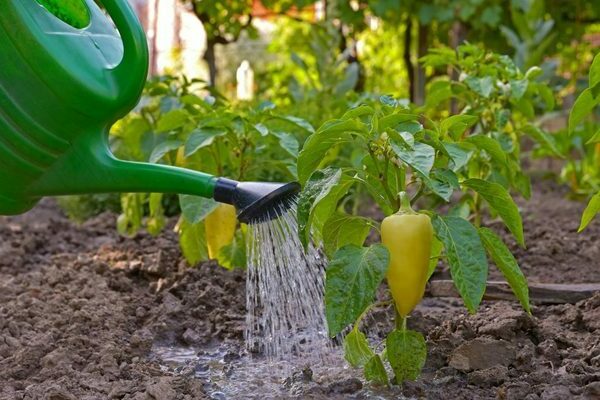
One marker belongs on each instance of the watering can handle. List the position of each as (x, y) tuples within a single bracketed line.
[(135, 47)]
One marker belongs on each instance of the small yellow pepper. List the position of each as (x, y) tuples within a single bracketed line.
[(408, 237), (220, 229)]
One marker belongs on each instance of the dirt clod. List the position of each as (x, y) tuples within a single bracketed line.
[(482, 353)]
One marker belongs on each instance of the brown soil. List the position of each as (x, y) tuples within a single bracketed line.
[(81, 307)]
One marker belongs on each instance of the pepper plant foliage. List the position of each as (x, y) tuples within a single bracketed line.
[(470, 160), (180, 123), (584, 106)]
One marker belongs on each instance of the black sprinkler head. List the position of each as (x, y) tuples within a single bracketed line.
[(256, 201)]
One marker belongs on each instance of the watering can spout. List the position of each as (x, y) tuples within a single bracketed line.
[(90, 167)]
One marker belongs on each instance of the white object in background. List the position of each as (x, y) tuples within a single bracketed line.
[(245, 81)]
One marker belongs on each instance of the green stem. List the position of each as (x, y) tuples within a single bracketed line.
[(366, 311), (405, 207)]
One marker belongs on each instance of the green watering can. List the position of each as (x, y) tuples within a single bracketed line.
[(62, 88)]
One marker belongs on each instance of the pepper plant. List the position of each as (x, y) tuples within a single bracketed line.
[(383, 151), (584, 107), (183, 123)]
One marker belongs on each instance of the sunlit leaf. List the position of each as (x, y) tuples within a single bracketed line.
[(356, 348), (375, 371), (590, 211), (353, 276), (407, 353), (507, 264), (466, 257), (500, 200)]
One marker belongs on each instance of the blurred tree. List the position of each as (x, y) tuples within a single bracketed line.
[(224, 22)]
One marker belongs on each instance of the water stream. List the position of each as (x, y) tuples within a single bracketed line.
[(284, 292)]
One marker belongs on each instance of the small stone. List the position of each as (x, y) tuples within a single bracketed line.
[(120, 389), (12, 342), (482, 353), (347, 386), (556, 393), (56, 393), (161, 390), (549, 350), (516, 391), (490, 377), (592, 391), (191, 337)]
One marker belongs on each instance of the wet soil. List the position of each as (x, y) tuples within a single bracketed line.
[(86, 314)]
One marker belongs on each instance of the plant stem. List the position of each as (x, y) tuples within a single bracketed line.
[(366, 311), (383, 178)]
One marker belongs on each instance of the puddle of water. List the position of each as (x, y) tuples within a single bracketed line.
[(225, 375), (284, 291)]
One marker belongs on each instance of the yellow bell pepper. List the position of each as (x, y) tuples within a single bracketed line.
[(220, 229), (408, 237)]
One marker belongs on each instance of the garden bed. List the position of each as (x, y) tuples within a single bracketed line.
[(85, 313)]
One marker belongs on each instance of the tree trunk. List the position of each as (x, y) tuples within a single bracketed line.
[(419, 86), (211, 61), (407, 58)]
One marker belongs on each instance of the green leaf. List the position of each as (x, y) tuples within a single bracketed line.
[(156, 220), (500, 200), (420, 158), (261, 129), (544, 139), (595, 138), (356, 348), (590, 211), (522, 183), (316, 190), (233, 255), (331, 134), (458, 154), (595, 71), (583, 106), (482, 86), (288, 142), (456, 125), (163, 148), (299, 122), (466, 257), (436, 252), (172, 120), (507, 264), (353, 276), (200, 138), (534, 72), (524, 106), (130, 221), (342, 229), (547, 95), (518, 88), (192, 241), (393, 120), (375, 371), (490, 146), (407, 353), (195, 209), (443, 183), (358, 112)]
